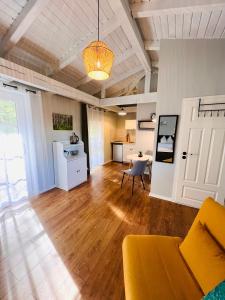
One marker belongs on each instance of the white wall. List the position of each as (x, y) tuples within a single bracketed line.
[(145, 138), (187, 68), (58, 104)]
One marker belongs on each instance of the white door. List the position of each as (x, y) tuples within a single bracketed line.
[(201, 155)]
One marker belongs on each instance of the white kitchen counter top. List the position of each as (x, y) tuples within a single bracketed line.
[(121, 142)]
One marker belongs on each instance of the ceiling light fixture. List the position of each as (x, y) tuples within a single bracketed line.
[(122, 112), (98, 58)]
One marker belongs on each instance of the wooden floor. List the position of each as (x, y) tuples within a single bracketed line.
[(67, 245)]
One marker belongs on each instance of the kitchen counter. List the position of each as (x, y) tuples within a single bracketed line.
[(121, 142)]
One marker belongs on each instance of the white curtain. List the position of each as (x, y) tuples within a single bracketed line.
[(27, 144), (33, 132), (95, 136)]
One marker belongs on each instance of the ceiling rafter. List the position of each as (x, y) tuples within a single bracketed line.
[(159, 7), (118, 60), (131, 30), (129, 88), (131, 99), (152, 45), (75, 51), (21, 24), (155, 64), (14, 72), (121, 77)]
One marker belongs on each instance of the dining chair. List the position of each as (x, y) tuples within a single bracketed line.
[(149, 164), (137, 170)]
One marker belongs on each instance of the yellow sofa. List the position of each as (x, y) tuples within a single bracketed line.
[(154, 268)]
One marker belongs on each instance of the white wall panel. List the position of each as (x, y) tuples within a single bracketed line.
[(187, 69)]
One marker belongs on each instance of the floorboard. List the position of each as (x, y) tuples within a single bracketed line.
[(67, 245)]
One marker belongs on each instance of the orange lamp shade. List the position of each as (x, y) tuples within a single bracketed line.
[(98, 60)]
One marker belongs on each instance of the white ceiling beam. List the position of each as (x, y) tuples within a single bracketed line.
[(116, 79), (82, 81), (131, 30), (103, 92), (14, 72), (73, 52), (115, 109), (155, 64), (152, 45), (21, 24), (159, 7), (131, 99), (123, 76), (133, 84), (128, 88), (147, 82), (118, 60)]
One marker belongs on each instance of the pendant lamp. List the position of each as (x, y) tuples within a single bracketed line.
[(98, 58), (122, 112)]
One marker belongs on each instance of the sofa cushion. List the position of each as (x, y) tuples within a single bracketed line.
[(205, 257), (154, 269), (212, 215)]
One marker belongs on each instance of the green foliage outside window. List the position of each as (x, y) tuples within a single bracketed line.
[(8, 121)]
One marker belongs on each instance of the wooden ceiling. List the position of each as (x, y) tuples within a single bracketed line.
[(48, 36)]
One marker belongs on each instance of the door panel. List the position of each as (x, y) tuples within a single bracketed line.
[(195, 141), (196, 193), (216, 150)]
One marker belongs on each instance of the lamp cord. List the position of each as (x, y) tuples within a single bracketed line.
[(98, 20)]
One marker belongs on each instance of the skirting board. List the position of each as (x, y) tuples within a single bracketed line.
[(107, 162), (190, 203), (50, 188), (161, 197)]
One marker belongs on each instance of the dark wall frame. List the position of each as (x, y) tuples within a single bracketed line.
[(84, 133), (166, 156)]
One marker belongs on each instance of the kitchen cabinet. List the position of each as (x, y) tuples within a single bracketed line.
[(70, 164)]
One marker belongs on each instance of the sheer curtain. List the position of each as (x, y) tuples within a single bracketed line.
[(13, 185), (25, 156), (95, 136), (36, 153)]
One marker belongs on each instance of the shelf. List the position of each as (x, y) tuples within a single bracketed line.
[(146, 125)]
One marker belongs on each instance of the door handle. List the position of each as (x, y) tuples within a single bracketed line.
[(185, 154)]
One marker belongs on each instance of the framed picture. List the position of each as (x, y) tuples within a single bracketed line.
[(62, 122), (166, 138)]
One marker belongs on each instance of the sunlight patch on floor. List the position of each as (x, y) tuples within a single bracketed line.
[(119, 213), (30, 267)]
